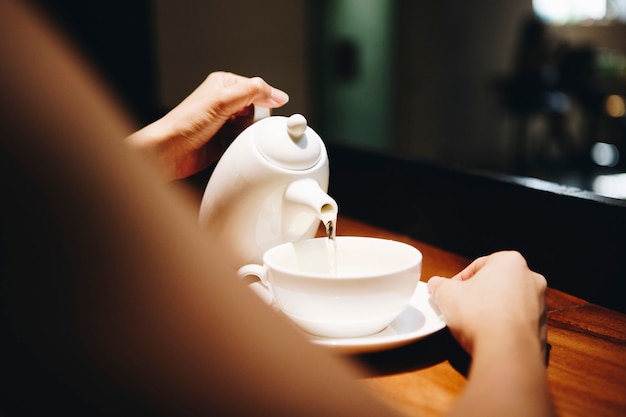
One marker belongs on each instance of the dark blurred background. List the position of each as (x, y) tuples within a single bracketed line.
[(517, 87)]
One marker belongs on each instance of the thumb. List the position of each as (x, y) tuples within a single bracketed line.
[(432, 284), (438, 287)]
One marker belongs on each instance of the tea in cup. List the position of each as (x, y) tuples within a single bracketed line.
[(343, 287)]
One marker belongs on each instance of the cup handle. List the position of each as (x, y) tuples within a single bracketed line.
[(260, 287)]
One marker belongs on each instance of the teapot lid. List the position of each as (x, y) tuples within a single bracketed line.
[(287, 142)]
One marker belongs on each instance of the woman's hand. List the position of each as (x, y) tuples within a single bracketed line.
[(495, 308), (180, 142), (495, 295)]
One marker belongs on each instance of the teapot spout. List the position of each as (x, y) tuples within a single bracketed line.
[(307, 192)]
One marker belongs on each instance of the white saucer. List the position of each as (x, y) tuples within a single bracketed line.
[(420, 319)]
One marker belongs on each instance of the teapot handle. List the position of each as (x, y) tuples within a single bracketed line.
[(258, 286), (261, 113)]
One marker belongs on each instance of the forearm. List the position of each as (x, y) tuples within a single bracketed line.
[(507, 378), (110, 284), (155, 143), (179, 149)]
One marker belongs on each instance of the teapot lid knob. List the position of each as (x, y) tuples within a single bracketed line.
[(296, 126), (287, 142)]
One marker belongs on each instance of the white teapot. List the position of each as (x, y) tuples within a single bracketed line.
[(268, 188)]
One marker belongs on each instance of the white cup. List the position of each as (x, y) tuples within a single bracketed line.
[(353, 287)]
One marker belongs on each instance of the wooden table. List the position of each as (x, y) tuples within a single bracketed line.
[(587, 362)]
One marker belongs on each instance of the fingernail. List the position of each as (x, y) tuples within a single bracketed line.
[(279, 97)]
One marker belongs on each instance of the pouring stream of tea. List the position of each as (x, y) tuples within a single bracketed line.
[(331, 233)]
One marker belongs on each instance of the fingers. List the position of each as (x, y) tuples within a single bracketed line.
[(467, 273), (471, 269), (266, 95), (433, 282), (240, 92), (509, 259), (436, 287)]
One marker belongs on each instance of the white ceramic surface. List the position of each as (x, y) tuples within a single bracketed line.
[(357, 293), (421, 318), (269, 187)]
